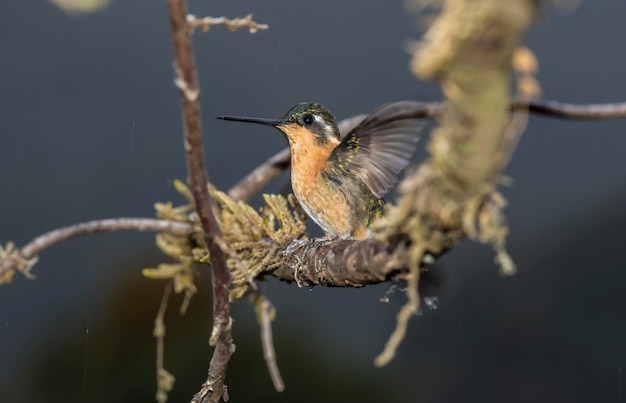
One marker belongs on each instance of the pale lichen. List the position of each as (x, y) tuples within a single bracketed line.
[(250, 238), (13, 256)]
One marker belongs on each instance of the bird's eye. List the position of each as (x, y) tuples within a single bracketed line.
[(307, 119)]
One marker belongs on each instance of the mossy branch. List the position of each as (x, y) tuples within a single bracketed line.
[(469, 50)]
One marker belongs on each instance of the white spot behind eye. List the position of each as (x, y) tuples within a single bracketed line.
[(323, 123)]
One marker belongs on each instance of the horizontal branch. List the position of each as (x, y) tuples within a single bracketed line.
[(44, 241), (264, 173), (338, 263), (113, 224), (232, 24), (249, 185), (561, 110), (261, 175)]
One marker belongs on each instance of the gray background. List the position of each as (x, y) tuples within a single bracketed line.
[(90, 128)]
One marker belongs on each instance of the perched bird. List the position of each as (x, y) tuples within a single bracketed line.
[(340, 182)]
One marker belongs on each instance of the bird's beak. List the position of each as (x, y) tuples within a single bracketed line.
[(262, 121)]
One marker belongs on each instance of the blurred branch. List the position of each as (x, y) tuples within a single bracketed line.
[(409, 309), (571, 111), (232, 24), (165, 380), (213, 389), (23, 259), (261, 175), (264, 173), (265, 313), (78, 7), (469, 50)]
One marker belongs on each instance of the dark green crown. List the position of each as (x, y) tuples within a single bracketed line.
[(316, 118)]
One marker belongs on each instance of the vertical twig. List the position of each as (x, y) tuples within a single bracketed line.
[(165, 380), (187, 81), (409, 309), (265, 313)]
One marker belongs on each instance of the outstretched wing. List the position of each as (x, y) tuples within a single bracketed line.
[(377, 149)]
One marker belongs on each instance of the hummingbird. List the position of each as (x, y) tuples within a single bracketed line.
[(340, 182)]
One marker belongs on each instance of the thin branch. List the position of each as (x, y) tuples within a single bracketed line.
[(409, 309), (213, 388), (571, 111), (341, 263), (44, 241), (165, 380), (266, 312), (232, 24), (264, 173), (261, 175)]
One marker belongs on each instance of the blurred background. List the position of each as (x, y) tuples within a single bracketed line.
[(90, 128)]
